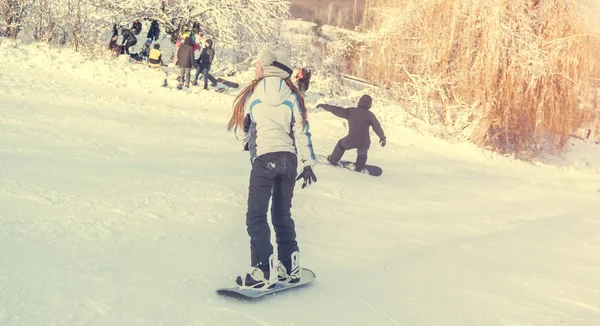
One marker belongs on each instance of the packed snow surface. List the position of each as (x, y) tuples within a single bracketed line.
[(123, 203)]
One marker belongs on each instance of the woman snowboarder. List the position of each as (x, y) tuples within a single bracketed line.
[(272, 113)]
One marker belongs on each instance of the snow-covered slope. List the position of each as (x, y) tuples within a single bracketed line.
[(123, 203)]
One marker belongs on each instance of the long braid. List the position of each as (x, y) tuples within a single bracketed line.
[(237, 119), (295, 89)]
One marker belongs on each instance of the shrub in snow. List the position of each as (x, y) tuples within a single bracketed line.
[(510, 75)]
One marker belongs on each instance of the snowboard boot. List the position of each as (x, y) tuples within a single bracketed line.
[(361, 161), (292, 265), (330, 161), (259, 278)]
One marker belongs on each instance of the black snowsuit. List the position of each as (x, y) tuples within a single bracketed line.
[(359, 121)]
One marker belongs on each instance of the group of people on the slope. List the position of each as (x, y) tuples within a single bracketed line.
[(186, 60), (189, 54), (271, 115)]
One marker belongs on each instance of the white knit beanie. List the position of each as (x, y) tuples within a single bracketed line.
[(275, 64)]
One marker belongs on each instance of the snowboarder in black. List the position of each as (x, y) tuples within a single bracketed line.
[(359, 121)]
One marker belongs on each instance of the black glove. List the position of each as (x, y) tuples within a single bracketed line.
[(320, 106), (382, 142), (308, 175)]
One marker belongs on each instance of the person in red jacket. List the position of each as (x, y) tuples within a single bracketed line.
[(303, 79)]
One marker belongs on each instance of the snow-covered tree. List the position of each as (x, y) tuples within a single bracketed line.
[(45, 20), (12, 14), (230, 21), (243, 25)]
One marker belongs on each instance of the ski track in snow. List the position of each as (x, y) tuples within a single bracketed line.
[(123, 203)]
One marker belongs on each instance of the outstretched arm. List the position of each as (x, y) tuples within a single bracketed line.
[(336, 110)]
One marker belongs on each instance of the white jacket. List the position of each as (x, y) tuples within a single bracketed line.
[(273, 122)]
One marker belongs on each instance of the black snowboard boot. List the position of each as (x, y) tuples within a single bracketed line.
[(259, 278), (361, 161), (337, 153), (293, 265), (330, 161)]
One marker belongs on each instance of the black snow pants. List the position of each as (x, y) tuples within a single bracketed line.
[(342, 146), (272, 174)]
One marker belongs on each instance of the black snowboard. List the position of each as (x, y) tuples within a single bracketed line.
[(369, 169), (372, 170), (223, 85)]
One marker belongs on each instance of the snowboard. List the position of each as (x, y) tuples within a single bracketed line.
[(307, 277), (228, 83), (369, 169), (223, 85)]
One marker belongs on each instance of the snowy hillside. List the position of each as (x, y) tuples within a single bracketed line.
[(123, 203)]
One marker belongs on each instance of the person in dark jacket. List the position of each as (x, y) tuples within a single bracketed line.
[(129, 40), (359, 121), (204, 62), (185, 60), (154, 31)]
